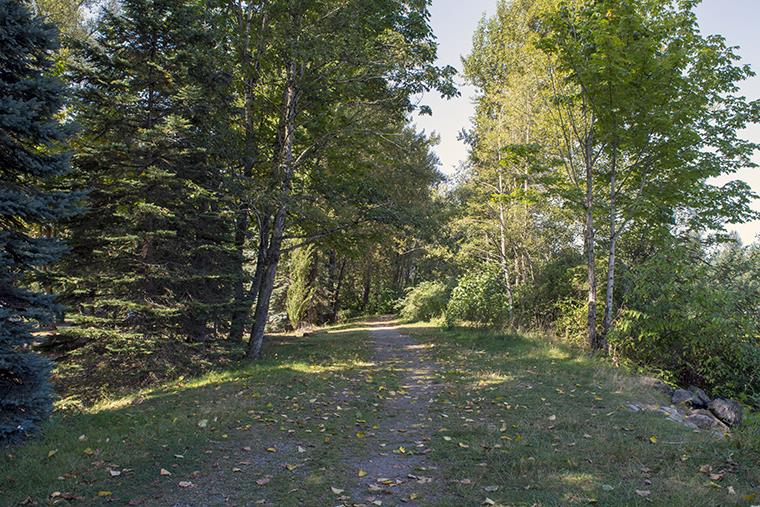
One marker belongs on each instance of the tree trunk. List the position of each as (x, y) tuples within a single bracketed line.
[(367, 286), (335, 307), (590, 241), (240, 309), (284, 170), (609, 299), (503, 248)]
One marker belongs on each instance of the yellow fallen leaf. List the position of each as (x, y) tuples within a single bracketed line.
[(653, 439), (88, 452), (361, 473), (52, 453), (360, 434), (463, 445), (291, 467), (271, 449), (104, 493)]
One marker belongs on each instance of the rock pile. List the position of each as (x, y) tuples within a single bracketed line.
[(693, 408)]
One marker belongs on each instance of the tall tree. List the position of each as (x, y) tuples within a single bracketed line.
[(153, 252), (378, 55), (31, 152), (650, 104)]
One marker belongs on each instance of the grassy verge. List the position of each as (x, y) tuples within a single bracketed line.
[(285, 422), (525, 422)]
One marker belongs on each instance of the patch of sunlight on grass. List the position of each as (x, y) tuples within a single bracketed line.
[(491, 378), (318, 368), (315, 479), (420, 346), (581, 480)]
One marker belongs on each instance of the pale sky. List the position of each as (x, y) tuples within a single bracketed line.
[(455, 21)]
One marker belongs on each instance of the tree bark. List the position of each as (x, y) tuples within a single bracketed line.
[(250, 67), (335, 307), (503, 242), (284, 170), (610, 294), (240, 308), (590, 240)]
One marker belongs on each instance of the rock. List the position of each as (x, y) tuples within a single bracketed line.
[(699, 398), (728, 411), (704, 420), (681, 396), (694, 397)]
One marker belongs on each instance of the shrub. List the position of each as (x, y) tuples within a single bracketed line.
[(480, 297), (425, 301), (689, 319)]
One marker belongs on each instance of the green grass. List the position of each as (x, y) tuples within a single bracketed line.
[(543, 424), (288, 400), (548, 426)]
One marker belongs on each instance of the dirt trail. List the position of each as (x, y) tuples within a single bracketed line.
[(397, 467)]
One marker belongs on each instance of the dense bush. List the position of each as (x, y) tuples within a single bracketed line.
[(695, 320), (425, 301), (557, 283), (480, 297)]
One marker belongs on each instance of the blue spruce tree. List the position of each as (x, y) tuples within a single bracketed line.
[(31, 156)]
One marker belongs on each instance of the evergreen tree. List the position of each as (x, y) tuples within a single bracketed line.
[(151, 251), (31, 136)]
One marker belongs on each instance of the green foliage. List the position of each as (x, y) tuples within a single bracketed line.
[(31, 159), (301, 291), (480, 297), (685, 316), (424, 301), (543, 301), (153, 251)]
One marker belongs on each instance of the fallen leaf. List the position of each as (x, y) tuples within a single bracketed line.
[(185, 484), (203, 423), (643, 492), (114, 473), (264, 480), (52, 453), (361, 473), (164, 472), (552, 417), (271, 449), (653, 439), (463, 445), (336, 490), (491, 489), (488, 501), (104, 493)]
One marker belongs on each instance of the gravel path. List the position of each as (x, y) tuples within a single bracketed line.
[(397, 468)]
